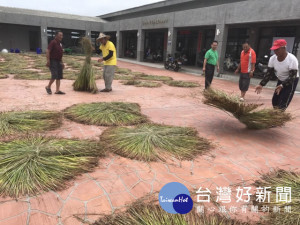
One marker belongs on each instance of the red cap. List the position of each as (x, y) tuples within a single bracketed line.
[(278, 44)]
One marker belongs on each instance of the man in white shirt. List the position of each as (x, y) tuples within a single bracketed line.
[(285, 66)]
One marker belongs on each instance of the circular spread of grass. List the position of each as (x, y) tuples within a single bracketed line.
[(34, 164), (180, 83), (153, 77), (150, 142), (139, 83), (246, 113), (28, 121), (3, 76), (281, 178), (106, 113), (150, 213), (123, 71), (32, 76)]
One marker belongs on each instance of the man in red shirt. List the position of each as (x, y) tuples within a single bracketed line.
[(54, 56), (246, 69)]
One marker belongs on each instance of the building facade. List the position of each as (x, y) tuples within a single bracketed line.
[(182, 28), (187, 28)]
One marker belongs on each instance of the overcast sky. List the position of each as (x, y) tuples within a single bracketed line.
[(78, 7)]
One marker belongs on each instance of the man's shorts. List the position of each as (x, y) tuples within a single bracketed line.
[(244, 81), (56, 69)]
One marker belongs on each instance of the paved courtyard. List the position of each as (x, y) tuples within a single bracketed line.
[(238, 156)]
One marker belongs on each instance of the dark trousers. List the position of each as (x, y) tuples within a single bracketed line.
[(285, 96), (209, 74)]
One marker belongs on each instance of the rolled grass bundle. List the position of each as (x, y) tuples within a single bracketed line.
[(28, 121), (246, 113), (150, 213), (86, 79), (106, 113), (34, 164), (281, 178), (180, 83), (150, 142), (139, 83)]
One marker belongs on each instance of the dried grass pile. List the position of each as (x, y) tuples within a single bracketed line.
[(151, 142), (106, 113), (246, 113), (149, 213), (86, 78), (34, 164), (285, 179)]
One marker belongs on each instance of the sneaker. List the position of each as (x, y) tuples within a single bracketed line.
[(242, 99)]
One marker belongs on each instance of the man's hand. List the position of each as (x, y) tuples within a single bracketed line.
[(100, 60), (258, 89), (278, 89), (63, 65), (48, 64), (218, 69), (236, 71), (251, 74)]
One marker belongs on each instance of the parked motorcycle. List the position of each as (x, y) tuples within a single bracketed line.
[(174, 64), (230, 64)]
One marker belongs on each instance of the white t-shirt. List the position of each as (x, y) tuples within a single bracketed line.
[(282, 68)]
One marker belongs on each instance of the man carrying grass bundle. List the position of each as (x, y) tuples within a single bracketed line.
[(110, 60), (285, 66), (54, 56)]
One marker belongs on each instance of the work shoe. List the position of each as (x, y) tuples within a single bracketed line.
[(242, 99)]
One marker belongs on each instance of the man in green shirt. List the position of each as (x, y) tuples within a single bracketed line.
[(211, 60)]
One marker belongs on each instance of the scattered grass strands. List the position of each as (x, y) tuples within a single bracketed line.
[(151, 142), (34, 164), (149, 213), (281, 178), (122, 77), (180, 83), (139, 83), (86, 78), (106, 114), (28, 121), (246, 113)]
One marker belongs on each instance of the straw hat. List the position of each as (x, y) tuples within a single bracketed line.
[(102, 35)]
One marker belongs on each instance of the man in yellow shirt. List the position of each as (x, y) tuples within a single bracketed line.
[(110, 60)]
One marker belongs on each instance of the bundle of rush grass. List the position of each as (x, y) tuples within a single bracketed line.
[(150, 213), (33, 164), (14, 123), (106, 113), (86, 79), (151, 142), (246, 113), (279, 179)]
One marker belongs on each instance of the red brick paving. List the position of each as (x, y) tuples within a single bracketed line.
[(238, 157)]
